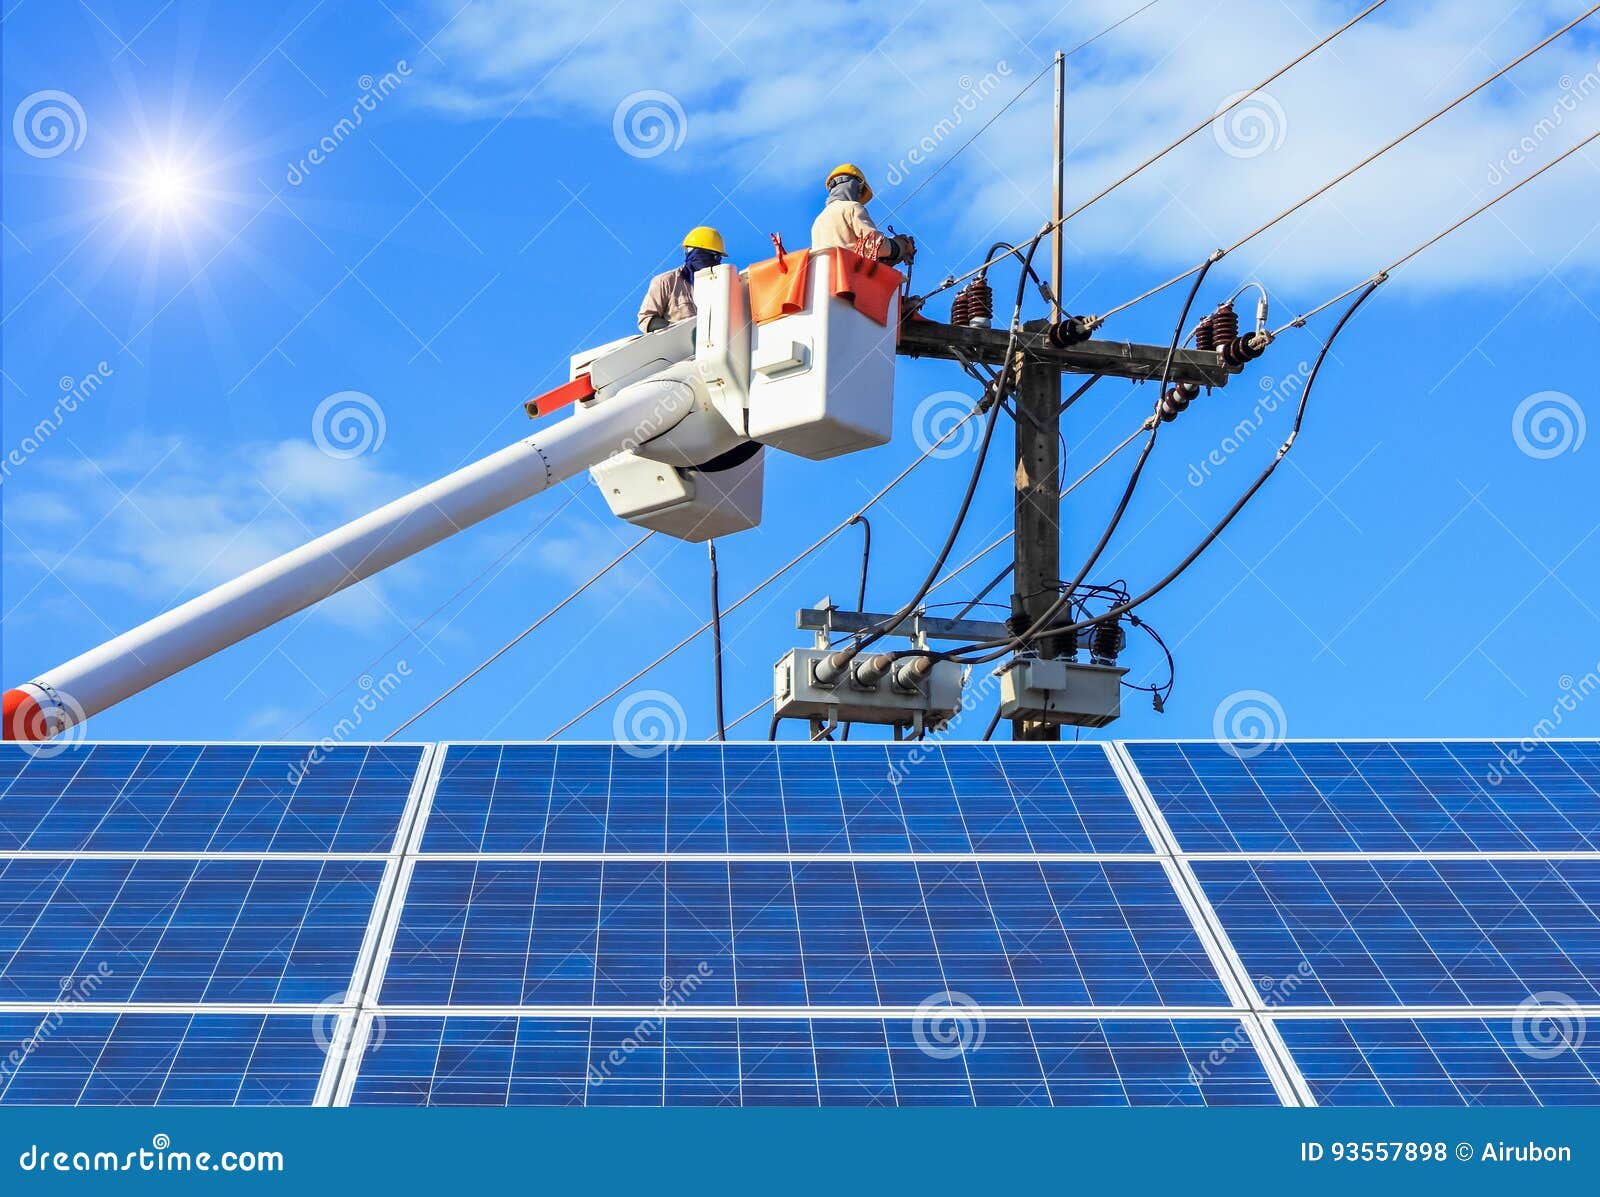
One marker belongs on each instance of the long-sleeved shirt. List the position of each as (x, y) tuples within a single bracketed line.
[(840, 224), (669, 296)]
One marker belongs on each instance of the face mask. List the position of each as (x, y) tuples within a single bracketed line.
[(845, 187), (699, 259)]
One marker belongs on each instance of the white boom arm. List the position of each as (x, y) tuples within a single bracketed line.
[(87, 684)]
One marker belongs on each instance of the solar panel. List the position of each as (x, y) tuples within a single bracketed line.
[(146, 929), (1412, 932), (795, 933), (482, 1061), (1376, 796), (205, 798), (1441, 1062), (82, 1058), (764, 798)]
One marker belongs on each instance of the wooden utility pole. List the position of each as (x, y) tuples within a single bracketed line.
[(1037, 495)]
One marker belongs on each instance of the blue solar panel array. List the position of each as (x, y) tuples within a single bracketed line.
[(831, 1062), (1414, 932), (778, 913), (205, 798), (1444, 1062), (1361, 796), (764, 798), (800, 933), (82, 1058)]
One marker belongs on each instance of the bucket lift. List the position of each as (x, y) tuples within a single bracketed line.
[(795, 354)]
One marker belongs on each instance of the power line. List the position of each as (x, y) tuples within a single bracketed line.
[(770, 578), (1162, 153), (525, 633), (411, 632), (1048, 67), (1367, 161)]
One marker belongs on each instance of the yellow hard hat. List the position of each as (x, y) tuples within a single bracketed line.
[(703, 236), (850, 168)]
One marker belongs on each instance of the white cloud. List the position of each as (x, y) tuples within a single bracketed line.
[(832, 80), (164, 521)]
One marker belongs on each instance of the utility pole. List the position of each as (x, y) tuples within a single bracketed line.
[(1037, 494)]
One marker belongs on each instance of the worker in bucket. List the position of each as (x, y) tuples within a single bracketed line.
[(670, 297), (845, 223)]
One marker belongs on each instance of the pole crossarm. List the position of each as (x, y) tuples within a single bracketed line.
[(1116, 359)]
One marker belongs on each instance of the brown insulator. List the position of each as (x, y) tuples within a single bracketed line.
[(1106, 641), (1239, 350), (959, 308), (1205, 336), (1177, 399), (1224, 324), (1074, 330), (980, 303)]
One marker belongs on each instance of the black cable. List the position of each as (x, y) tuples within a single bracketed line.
[(977, 470), (866, 558), (993, 723), (984, 593), (1035, 630), (772, 729), (1123, 608), (716, 639)]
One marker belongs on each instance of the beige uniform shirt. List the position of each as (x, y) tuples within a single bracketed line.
[(840, 225), (668, 295)]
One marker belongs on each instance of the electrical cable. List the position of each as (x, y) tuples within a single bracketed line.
[(522, 635), (1083, 45), (1203, 125), (770, 578), (1367, 161), (716, 640), (411, 632)]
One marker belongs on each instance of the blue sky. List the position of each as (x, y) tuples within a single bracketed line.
[(1424, 564)]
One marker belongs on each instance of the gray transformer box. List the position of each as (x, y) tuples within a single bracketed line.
[(1063, 692), (796, 694)]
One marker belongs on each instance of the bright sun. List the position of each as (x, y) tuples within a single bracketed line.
[(164, 188)]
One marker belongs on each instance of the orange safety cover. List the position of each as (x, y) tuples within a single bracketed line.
[(869, 285), (778, 286)]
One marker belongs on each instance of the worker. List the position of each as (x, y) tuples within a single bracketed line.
[(845, 223), (670, 296)]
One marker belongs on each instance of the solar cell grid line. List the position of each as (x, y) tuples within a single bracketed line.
[(1452, 1061), (1376, 796), (274, 929), (749, 799), (79, 1056), (616, 932), (1419, 932), (450, 1059), (206, 798)]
